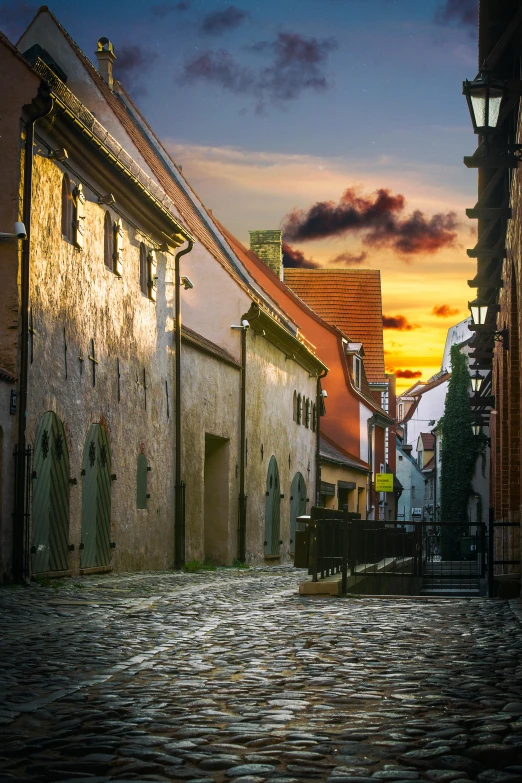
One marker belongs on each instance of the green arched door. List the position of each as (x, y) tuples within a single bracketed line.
[(96, 499), (297, 505), (272, 509), (50, 512)]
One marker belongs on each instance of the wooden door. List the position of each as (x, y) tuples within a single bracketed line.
[(50, 510), (297, 505), (96, 499), (272, 509)]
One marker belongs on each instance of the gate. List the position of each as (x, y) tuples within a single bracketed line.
[(297, 505), (50, 477), (96, 499), (272, 509)]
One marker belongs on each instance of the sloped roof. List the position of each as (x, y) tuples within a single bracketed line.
[(351, 300), (445, 376), (331, 452), (430, 465), (428, 441), (206, 346)]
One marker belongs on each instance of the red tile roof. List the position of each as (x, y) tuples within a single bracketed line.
[(428, 441), (351, 300)]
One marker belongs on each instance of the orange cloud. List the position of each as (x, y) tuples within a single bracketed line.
[(444, 311), (407, 373), (399, 322)]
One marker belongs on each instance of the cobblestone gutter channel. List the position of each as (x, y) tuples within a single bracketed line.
[(232, 676)]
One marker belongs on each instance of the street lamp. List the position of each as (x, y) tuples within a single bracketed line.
[(484, 96), (479, 311), (476, 428), (476, 381)]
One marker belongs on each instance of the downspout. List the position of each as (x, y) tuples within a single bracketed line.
[(241, 541), (434, 478), (179, 499), (40, 108), (371, 424), (318, 439)]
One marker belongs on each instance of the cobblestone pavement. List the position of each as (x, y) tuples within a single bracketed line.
[(232, 676)]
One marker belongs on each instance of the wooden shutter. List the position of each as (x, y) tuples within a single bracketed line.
[(152, 271), (118, 248), (79, 217)]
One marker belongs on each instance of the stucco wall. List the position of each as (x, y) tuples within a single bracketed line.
[(270, 424)]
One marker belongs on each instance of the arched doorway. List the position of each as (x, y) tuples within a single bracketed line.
[(272, 509), (50, 511), (96, 499), (297, 505)]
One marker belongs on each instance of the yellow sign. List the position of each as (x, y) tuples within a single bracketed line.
[(384, 482)]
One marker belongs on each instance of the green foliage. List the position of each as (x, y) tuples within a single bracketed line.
[(459, 451), (239, 564), (193, 566)]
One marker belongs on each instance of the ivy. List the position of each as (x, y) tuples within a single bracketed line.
[(459, 452)]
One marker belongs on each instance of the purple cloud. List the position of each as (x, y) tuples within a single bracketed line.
[(218, 22)]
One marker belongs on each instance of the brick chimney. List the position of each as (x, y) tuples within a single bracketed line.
[(105, 56), (268, 245)]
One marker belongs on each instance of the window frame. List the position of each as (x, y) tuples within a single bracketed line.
[(108, 241), (67, 208), (357, 372), (144, 288)]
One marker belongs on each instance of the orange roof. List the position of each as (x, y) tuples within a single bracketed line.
[(351, 300), (428, 441)]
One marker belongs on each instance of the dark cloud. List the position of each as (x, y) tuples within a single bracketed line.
[(295, 67), (132, 62), (161, 10), (219, 22), (444, 311), (407, 373), (294, 259), (379, 217), (399, 322), (460, 12), (350, 259), (15, 16)]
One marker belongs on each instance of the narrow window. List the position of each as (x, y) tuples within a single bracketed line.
[(143, 269), (141, 489), (307, 413), (314, 417), (299, 408), (152, 276), (79, 216), (294, 414), (117, 248), (400, 411), (67, 209), (108, 244), (357, 372)]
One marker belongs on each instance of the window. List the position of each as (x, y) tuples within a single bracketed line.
[(67, 209), (143, 270), (141, 489), (357, 372), (401, 408), (307, 414), (412, 491), (152, 277), (294, 413), (79, 216), (299, 408), (108, 243), (117, 248), (314, 417)]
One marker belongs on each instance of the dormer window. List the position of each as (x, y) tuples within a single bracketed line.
[(357, 370)]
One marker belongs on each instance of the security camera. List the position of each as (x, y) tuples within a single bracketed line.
[(187, 283), (19, 231), (245, 324), (324, 394)]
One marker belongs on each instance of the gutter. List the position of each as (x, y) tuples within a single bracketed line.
[(41, 107), (318, 400)]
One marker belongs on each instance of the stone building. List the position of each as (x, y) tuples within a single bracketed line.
[(88, 341)]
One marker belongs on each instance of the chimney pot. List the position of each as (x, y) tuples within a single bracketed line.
[(105, 56), (268, 245)]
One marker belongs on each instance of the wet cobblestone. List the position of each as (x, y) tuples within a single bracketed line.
[(231, 676)]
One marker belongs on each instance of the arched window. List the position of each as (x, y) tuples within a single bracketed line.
[(307, 414), (299, 408), (294, 415), (143, 270), (108, 241), (67, 209)]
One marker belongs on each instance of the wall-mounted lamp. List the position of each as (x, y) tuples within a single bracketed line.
[(479, 310), (60, 154), (187, 283), (476, 381), (19, 233), (484, 95)]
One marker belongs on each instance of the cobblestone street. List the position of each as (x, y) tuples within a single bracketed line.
[(231, 675)]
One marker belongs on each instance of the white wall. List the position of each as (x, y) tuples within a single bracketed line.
[(430, 408), (456, 334), (409, 475)]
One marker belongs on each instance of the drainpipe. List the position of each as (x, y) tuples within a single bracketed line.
[(371, 423), (179, 501), (318, 438), (40, 108), (242, 499), (434, 477)]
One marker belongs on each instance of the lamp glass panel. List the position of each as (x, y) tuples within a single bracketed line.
[(478, 102), (476, 429), (478, 313), (495, 99), (476, 382)]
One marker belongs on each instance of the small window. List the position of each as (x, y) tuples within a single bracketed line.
[(67, 209), (401, 408), (357, 372), (412, 491), (299, 408), (152, 275), (117, 255), (294, 412), (108, 243), (141, 491), (307, 414), (143, 270), (314, 417)]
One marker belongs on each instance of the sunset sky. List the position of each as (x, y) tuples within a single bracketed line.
[(341, 121)]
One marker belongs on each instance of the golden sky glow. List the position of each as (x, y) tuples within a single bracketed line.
[(256, 190)]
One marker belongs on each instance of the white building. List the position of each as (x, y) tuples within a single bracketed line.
[(411, 502)]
